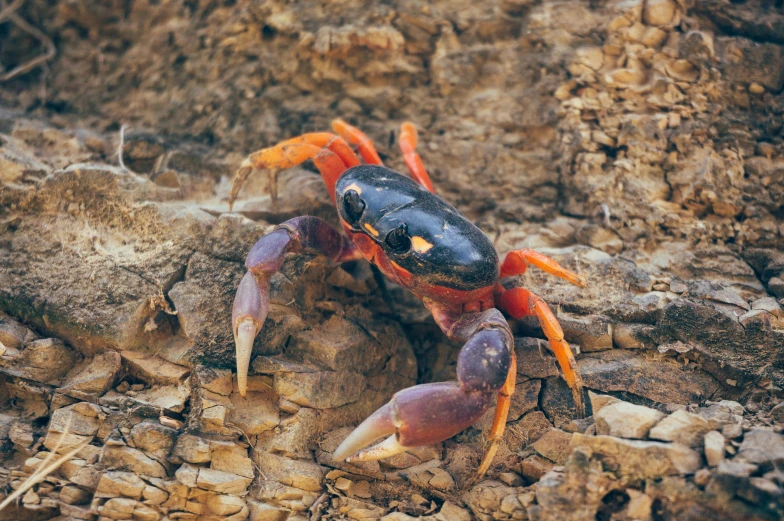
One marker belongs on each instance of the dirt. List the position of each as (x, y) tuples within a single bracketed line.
[(639, 143)]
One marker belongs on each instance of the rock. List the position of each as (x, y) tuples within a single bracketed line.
[(81, 421), (14, 335), (234, 460), (321, 390), (338, 344), (222, 505), (632, 336), (527, 430), (660, 380), (744, 61), (590, 332), (640, 459), (714, 448), (117, 483), (489, 497), (599, 401), (762, 447), (263, 512), (92, 378), (777, 413), (74, 495), (46, 361), (192, 449), (534, 467), (78, 472), (626, 420), (118, 508), (154, 439), (257, 412), (722, 413), (554, 445), (153, 369), (304, 475), (218, 381), (220, 481), (122, 457), (682, 427), (659, 12)]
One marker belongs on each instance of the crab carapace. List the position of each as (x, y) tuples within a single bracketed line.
[(425, 245)]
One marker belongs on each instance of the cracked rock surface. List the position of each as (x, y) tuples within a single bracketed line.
[(638, 143)]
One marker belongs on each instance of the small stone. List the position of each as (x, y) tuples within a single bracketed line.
[(659, 12), (123, 457), (762, 446), (626, 420), (682, 427), (714, 448), (756, 88), (590, 332), (732, 430), (31, 498), (598, 401), (229, 460), (264, 512), (91, 378), (441, 479), (118, 508), (154, 495), (222, 505), (192, 449), (640, 459), (218, 381), (153, 438), (451, 512), (511, 479), (534, 467), (555, 446), (219, 481), (46, 360), (73, 495), (777, 413), (639, 506), (117, 483), (701, 477), (14, 335), (153, 369)]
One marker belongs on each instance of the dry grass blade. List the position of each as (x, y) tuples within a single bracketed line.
[(9, 12), (46, 467)]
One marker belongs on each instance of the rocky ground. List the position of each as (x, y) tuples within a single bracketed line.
[(640, 143)]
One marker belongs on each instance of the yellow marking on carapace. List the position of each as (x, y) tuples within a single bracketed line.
[(371, 230), (353, 186), (420, 245)]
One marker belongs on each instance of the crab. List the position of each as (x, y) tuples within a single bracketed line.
[(425, 245)]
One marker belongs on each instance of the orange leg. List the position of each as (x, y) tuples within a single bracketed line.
[(517, 261), (330, 153), (408, 143), (519, 303), (357, 138), (496, 433)]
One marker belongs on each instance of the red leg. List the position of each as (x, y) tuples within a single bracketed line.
[(330, 153), (519, 303), (357, 138), (517, 261), (408, 143)]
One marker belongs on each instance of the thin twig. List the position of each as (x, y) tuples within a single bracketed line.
[(9, 12), (120, 148)]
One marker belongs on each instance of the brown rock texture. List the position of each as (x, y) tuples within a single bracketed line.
[(639, 143)]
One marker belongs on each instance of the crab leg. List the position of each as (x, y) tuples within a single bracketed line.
[(357, 138), (517, 261), (306, 234), (519, 303), (408, 143), (431, 413), (330, 153)]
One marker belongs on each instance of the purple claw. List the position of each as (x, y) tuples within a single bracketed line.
[(419, 415), (248, 314)]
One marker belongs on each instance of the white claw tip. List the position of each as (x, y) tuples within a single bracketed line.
[(243, 338)]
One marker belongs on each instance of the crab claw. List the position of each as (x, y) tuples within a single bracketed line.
[(420, 415), (248, 314)]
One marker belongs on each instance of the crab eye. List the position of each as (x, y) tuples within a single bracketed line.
[(353, 205), (398, 240)]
